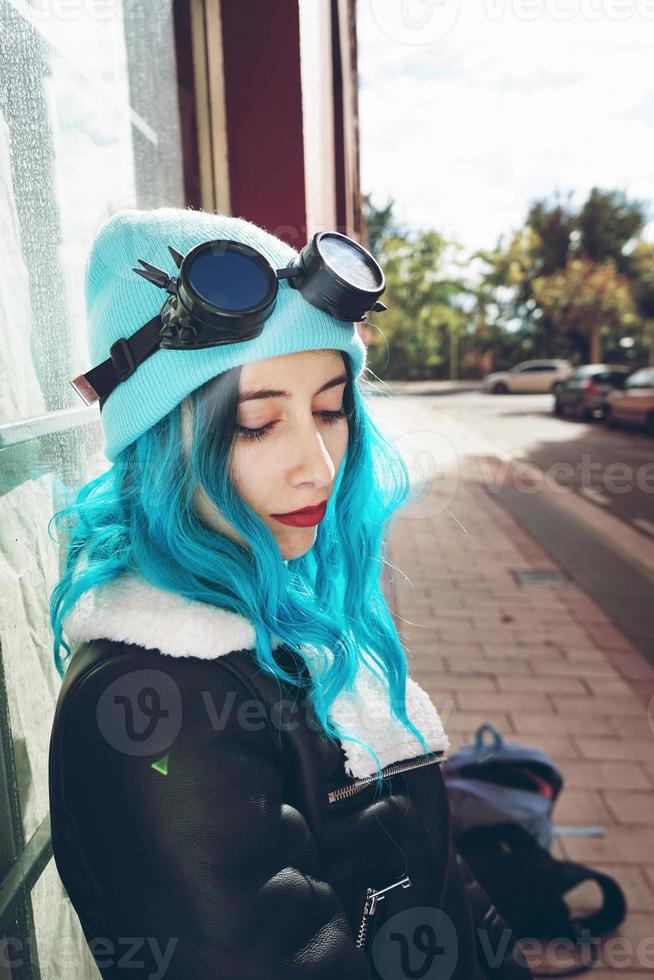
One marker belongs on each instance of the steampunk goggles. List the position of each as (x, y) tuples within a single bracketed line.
[(226, 290)]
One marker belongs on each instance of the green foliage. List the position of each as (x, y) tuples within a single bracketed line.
[(380, 223), (588, 297), (412, 339), (569, 283), (569, 277), (606, 222)]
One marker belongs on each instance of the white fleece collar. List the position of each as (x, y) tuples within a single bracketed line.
[(132, 610)]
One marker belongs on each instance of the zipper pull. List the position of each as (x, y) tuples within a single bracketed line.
[(377, 896), (370, 904)]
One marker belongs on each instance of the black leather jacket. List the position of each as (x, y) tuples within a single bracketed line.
[(204, 828)]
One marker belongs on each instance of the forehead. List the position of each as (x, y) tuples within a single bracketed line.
[(296, 369)]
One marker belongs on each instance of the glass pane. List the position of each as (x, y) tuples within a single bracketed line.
[(89, 124), (641, 379), (62, 950)]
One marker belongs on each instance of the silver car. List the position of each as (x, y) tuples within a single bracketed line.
[(528, 376)]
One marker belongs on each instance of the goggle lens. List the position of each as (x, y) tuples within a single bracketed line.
[(348, 262), (228, 279)]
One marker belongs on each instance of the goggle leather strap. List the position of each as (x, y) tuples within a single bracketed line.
[(125, 356)]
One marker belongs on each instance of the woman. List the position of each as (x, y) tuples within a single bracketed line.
[(244, 780)]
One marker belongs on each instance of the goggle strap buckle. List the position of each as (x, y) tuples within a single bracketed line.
[(125, 356), (85, 389), (122, 358)]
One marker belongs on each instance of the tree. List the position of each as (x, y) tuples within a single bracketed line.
[(416, 330), (505, 298), (606, 223), (588, 297), (641, 268), (543, 252), (553, 228), (379, 223)]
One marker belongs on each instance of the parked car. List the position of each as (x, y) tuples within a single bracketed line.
[(583, 394), (634, 404), (533, 376)]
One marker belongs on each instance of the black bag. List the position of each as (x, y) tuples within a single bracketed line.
[(501, 800)]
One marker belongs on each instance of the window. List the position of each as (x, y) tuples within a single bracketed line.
[(615, 379), (90, 125), (641, 379)]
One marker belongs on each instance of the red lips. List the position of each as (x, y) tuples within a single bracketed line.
[(304, 517)]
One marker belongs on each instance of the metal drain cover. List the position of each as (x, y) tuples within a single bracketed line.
[(540, 576)]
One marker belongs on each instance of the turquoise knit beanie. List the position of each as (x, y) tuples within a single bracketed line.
[(118, 302)]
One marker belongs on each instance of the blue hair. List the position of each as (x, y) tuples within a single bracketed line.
[(139, 516)]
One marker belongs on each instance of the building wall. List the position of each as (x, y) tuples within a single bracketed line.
[(291, 115)]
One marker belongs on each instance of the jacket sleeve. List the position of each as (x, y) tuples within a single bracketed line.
[(200, 860)]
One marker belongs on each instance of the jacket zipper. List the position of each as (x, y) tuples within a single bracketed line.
[(370, 906), (344, 791)]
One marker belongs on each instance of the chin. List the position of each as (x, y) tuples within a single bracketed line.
[(298, 545)]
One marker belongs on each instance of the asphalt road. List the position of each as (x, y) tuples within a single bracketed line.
[(611, 468)]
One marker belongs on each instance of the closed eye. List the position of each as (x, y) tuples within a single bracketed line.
[(328, 417)]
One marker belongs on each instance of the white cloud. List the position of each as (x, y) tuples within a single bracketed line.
[(465, 132)]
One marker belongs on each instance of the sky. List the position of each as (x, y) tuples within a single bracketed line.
[(471, 109)]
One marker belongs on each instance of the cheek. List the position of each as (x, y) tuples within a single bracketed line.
[(336, 442), (253, 469)]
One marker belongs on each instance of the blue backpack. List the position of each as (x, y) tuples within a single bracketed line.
[(501, 799)]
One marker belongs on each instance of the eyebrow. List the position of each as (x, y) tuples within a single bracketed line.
[(248, 396)]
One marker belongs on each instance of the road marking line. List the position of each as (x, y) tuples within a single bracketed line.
[(595, 495), (644, 525)]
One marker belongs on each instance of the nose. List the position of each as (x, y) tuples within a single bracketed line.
[(312, 463)]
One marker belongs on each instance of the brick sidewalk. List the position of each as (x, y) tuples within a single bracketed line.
[(548, 669)]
